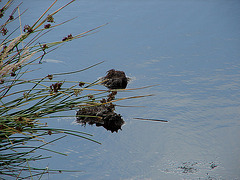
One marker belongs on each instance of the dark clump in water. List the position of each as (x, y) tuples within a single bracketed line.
[(101, 115), (115, 79), (188, 167)]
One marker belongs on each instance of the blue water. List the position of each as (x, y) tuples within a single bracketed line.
[(190, 49)]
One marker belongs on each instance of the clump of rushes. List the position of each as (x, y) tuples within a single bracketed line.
[(22, 110)]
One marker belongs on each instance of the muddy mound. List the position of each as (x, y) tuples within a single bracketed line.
[(115, 79)]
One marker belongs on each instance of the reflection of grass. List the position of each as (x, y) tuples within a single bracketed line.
[(24, 102)]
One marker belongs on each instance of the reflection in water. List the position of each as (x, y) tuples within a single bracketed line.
[(101, 115)]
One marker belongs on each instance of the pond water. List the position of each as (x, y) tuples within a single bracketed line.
[(190, 49)]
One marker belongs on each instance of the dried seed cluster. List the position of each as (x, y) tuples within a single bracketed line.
[(68, 37), (27, 28), (55, 87)]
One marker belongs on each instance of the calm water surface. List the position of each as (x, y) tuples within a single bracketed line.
[(191, 49)]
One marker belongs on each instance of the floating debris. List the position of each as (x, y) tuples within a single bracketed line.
[(213, 165), (115, 79), (188, 167), (159, 120)]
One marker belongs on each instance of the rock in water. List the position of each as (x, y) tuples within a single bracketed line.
[(115, 80)]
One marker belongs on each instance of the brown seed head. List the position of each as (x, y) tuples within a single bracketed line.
[(47, 26), (50, 19)]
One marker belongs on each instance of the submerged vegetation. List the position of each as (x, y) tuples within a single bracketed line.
[(26, 102)]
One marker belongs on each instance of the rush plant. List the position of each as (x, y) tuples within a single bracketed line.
[(26, 102)]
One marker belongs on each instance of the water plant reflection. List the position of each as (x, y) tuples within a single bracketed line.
[(102, 114)]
